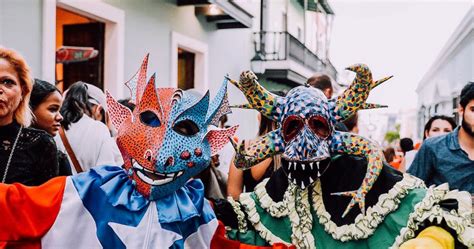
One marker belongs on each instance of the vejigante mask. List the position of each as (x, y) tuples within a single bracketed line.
[(165, 140), (306, 137)]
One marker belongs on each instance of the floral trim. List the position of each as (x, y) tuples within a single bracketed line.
[(301, 220), (364, 225), (296, 206), (429, 208), (242, 223), (249, 204)]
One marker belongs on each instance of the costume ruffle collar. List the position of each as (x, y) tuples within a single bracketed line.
[(183, 204)]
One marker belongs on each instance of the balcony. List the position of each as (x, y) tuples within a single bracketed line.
[(283, 58), (225, 14)]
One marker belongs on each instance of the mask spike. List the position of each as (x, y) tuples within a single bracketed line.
[(379, 82), (258, 97)]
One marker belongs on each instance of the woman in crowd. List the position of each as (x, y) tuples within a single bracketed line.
[(27, 155), (45, 102), (245, 181), (83, 137), (436, 126)]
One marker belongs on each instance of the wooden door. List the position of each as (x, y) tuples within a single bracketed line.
[(85, 35)]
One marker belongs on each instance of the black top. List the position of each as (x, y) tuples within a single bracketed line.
[(250, 183), (34, 160), (64, 165)]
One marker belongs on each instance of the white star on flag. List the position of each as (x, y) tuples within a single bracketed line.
[(148, 234)]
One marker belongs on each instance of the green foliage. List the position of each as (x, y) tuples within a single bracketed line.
[(391, 136)]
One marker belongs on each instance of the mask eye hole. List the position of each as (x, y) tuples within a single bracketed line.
[(186, 128), (149, 118), (291, 127), (319, 125)]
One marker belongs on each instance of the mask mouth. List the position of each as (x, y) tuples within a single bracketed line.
[(304, 173), (154, 178)]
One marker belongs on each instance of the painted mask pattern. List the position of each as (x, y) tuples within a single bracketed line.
[(306, 137), (165, 141)]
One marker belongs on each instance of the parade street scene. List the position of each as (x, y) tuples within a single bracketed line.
[(236, 124)]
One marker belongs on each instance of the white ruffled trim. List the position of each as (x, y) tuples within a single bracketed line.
[(242, 223), (301, 220), (296, 206), (275, 209), (364, 225), (254, 218), (430, 209)]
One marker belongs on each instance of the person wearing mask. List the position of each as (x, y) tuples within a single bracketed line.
[(450, 158), (83, 137), (27, 155), (45, 102)]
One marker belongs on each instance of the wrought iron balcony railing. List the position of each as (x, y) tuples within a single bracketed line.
[(278, 46)]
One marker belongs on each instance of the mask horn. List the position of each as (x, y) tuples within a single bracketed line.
[(354, 98), (138, 82), (258, 97), (217, 139), (118, 113), (219, 106), (149, 100)]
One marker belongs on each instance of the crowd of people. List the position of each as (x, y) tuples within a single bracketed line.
[(47, 133), (446, 153)]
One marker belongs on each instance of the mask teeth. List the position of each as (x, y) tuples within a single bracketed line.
[(311, 180), (311, 166), (302, 185)]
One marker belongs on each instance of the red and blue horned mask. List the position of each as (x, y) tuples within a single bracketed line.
[(165, 140), (306, 138)]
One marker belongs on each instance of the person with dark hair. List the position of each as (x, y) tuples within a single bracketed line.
[(406, 144), (83, 137), (126, 102), (438, 125), (389, 154), (27, 155), (322, 82), (409, 152), (450, 158), (45, 102)]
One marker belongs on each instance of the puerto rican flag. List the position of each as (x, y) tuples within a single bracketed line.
[(75, 212)]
